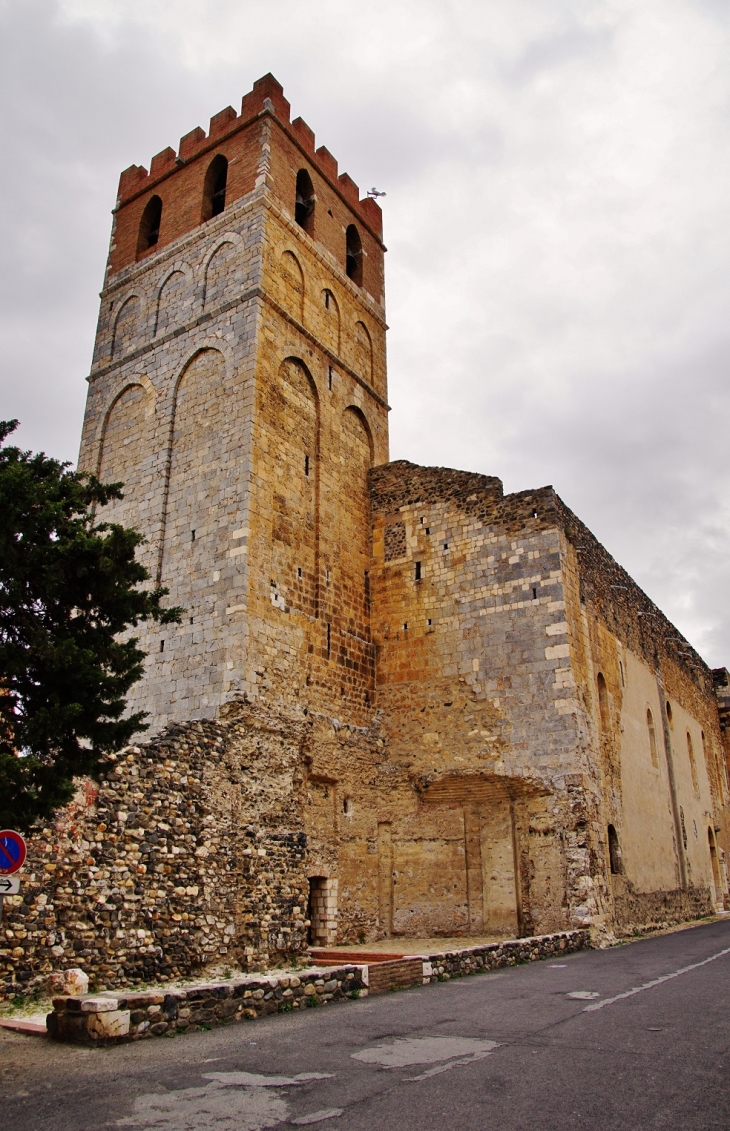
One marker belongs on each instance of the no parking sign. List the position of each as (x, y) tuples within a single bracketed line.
[(12, 852)]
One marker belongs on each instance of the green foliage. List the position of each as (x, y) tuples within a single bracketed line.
[(70, 588)]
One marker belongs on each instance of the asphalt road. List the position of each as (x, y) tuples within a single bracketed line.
[(495, 1051)]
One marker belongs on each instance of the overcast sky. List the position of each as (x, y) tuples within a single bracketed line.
[(558, 183)]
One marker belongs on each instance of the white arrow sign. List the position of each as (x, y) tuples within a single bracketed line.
[(9, 885)]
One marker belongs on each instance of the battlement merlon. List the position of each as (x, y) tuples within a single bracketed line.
[(265, 99)]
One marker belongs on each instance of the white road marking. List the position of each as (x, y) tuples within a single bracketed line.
[(656, 981), (258, 1080), (451, 1064), (317, 1116), (583, 995)]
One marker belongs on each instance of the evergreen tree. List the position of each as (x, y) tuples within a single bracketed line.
[(70, 589)]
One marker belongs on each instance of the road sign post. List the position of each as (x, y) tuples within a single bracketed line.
[(12, 858)]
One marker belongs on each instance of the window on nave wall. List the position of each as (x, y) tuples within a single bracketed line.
[(652, 739)]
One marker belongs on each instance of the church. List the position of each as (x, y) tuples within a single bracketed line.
[(400, 703)]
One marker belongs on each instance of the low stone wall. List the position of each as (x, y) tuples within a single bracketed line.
[(112, 1018), (493, 956)]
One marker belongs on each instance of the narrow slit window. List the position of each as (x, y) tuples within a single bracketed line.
[(614, 852), (329, 640), (329, 378), (534, 593), (162, 645), (653, 751), (418, 571), (603, 701), (693, 766), (192, 535), (306, 465)]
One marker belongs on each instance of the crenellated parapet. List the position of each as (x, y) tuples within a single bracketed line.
[(266, 99)]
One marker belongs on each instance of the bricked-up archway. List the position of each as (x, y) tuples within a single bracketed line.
[(492, 847)]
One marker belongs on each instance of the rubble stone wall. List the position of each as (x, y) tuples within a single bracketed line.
[(189, 853)]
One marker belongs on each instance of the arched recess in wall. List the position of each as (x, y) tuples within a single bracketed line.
[(363, 352), (292, 284), (125, 450), (127, 326), (603, 709), (356, 457), (220, 279), (169, 303), (290, 413), (197, 491), (330, 321)]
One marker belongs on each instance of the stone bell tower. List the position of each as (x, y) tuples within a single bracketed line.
[(238, 389)]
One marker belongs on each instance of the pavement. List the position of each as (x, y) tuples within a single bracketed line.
[(636, 1036)]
